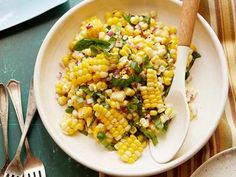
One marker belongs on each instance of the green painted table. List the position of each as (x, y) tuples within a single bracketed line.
[(19, 46)]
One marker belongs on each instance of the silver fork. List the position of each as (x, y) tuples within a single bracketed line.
[(4, 121), (32, 167)]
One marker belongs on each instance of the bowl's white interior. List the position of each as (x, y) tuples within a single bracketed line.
[(209, 78)]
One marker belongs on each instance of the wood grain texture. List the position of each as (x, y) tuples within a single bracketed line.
[(188, 18)]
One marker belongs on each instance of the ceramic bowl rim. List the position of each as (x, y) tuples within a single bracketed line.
[(169, 166)]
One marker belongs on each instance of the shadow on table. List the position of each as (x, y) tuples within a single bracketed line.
[(46, 16)]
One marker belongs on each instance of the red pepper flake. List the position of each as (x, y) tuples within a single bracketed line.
[(154, 30), (143, 35), (89, 26)]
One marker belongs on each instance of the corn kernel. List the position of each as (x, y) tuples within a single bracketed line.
[(129, 91), (62, 100), (153, 113)]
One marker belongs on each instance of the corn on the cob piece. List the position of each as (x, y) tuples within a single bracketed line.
[(151, 94), (71, 125), (114, 121), (129, 149)]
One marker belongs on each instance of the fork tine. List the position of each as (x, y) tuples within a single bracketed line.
[(28, 174), (42, 172)]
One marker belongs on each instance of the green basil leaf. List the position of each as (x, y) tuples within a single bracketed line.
[(118, 82), (94, 50), (86, 43)]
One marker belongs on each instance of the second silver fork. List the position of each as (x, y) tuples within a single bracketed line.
[(33, 167)]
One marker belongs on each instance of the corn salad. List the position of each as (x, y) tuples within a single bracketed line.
[(116, 76)]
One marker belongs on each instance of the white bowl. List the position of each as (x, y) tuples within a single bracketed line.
[(209, 78), (221, 164)]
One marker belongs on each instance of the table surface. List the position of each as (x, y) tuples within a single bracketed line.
[(19, 46)]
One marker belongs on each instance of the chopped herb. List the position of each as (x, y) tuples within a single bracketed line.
[(123, 42), (166, 125), (106, 105), (117, 29), (167, 89), (133, 104), (101, 136), (161, 126), (146, 63), (93, 120), (69, 109), (112, 42), (132, 107), (147, 20), (117, 82), (109, 145), (149, 134), (87, 91), (195, 56), (97, 95), (136, 67), (127, 18), (85, 132)]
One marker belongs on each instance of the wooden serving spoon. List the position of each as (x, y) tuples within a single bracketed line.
[(170, 143)]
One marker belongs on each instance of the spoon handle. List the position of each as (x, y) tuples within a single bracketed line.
[(4, 118), (14, 90), (188, 18)]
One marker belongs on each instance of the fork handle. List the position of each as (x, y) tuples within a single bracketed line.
[(4, 118), (31, 109), (14, 90)]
